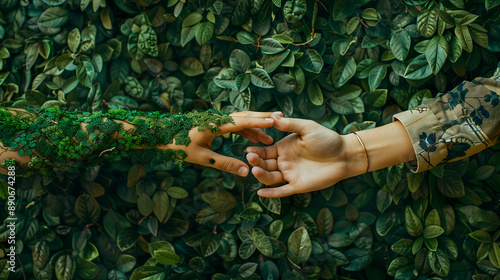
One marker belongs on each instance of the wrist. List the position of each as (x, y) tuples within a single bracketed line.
[(356, 156)]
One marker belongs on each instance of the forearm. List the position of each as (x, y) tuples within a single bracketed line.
[(385, 146), (53, 140)]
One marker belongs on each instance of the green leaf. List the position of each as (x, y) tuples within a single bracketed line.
[(427, 21), (148, 272), (87, 209), (439, 262), (85, 73), (400, 44), (479, 34), (311, 61), (431, 244), (145, 204), (209, 244), (403, 246), (127, 238), (239, 60), (413, 224), (451, 185), (191, 67), (260, 78), (315, 94), (246, 249), (342, 9), (419, 98), (324, 222), (299, 246), (204, 32), (273, 61), (376, 76), (161, 205), (456, 49), (284, 83), (271, 46), (241, 13), (192, 19), (294, 10), (377, 98), (481, 236), (86, 269), (220, 200), (491, 4), (246, 270), (415, 180), (160, 245), (54, 17), (246, 38), (463, 34), (298, 75), (341, 106), (261, 241), (494, 254), (433, 231), (417, 245), (436, 53), (178, 193), (343, 70), (74, 39), (226, 78), (418, 68), (240, 100), (479, 218), (65, 267)]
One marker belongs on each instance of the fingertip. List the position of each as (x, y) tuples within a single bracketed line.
[(243, 171), (263, 192), (268, 140), (251, 149), (257, 171)]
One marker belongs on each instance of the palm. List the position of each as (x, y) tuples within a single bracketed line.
[(311, 160)]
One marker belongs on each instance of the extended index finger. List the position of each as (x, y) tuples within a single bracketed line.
[(242, 122)]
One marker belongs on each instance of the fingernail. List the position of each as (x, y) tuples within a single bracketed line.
[(268, 119), (243, 171), (278, 113)]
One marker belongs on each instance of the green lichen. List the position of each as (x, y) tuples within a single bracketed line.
[(56, 140)]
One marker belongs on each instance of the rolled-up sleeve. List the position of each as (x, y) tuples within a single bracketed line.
[(455, 124)]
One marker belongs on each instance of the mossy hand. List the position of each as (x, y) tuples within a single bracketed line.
[(57, 140)]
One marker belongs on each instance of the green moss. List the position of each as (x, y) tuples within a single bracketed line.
[(55, 140)]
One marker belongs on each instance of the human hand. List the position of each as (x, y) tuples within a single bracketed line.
[(247, 124), (312, 158)]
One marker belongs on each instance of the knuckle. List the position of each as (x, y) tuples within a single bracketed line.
[(228, 165)]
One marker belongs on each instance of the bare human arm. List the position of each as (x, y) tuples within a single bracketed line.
[(452, 126), (314, 157), (110, 136)]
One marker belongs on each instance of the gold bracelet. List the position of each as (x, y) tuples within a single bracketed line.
[(364, 148)]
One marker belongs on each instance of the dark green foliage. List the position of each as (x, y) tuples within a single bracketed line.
[(346, 64)]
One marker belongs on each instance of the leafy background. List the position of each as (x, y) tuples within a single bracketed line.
[(347, 64)]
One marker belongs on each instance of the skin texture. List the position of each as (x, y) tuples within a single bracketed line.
[(314, 157), (247, 124)]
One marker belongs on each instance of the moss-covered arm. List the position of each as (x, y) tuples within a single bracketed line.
[(48, 140)]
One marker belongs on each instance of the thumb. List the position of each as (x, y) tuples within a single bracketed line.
[(224, 163), (282, 191), (299, 126)]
